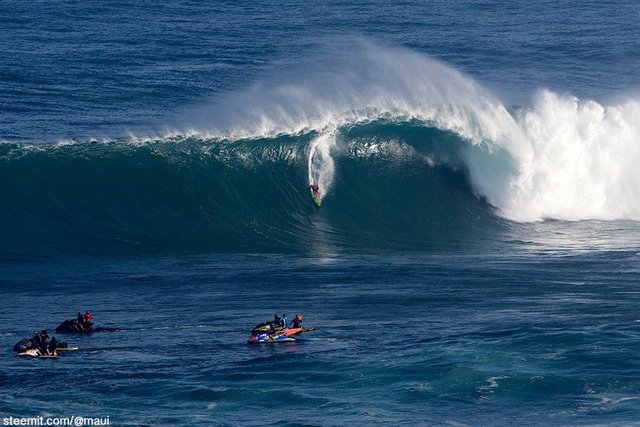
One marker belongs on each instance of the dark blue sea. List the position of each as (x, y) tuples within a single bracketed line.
[(475, 259)]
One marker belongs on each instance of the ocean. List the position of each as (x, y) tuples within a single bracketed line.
[(474, 260)]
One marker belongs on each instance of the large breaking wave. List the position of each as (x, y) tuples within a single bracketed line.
[(246, 195), (560, 158), (408, 152)]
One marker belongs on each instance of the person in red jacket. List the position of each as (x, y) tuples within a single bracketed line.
[(88, 318)]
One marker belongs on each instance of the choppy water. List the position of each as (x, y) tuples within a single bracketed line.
[(474, 261)]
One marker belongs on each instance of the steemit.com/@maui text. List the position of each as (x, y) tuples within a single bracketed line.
[(55, 421)]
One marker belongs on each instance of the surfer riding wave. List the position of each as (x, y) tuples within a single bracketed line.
[(315, 193)]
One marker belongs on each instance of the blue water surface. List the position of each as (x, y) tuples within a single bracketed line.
[(400, 340)]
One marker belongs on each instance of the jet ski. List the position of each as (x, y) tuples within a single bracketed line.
[(73, 326), (27, 344), (265, 334)]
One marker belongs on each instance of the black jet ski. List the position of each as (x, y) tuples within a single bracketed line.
[(73, 326)]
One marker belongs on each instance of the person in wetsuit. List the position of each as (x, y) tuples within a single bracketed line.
[(297, 321), (35, 341), (41, 342), (277, 322), (88, 322), (53, 345), (80, 320), (88, 319)]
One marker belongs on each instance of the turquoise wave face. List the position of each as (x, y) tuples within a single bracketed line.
[(394, 186)]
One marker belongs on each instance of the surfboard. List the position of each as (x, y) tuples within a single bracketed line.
[(59, 349), (316, 198)]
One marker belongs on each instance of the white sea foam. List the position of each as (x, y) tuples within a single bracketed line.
[(581, 161)]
